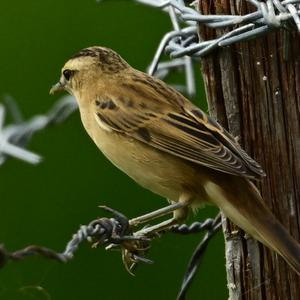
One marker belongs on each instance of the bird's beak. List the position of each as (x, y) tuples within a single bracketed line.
[(58, 87)]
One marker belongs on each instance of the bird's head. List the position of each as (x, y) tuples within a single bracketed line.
[(86, 66)]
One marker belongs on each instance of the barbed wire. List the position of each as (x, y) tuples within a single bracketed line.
[(182, 44), (269, 15), (114, 232), (101, 231)]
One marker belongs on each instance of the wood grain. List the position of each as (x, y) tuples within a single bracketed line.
[(253, 89)]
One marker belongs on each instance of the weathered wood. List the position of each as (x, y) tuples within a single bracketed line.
[(253, 89)]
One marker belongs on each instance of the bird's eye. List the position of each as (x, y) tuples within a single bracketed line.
[(68, 74)]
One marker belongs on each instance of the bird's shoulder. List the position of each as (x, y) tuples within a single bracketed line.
[(145, 90)]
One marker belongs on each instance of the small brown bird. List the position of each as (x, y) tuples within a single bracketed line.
[(169, 146)]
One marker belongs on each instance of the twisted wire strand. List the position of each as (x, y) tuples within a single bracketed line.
[(183, 42), (15, 137), (196, 259), (102, 231), (83, 234), (195, 227)]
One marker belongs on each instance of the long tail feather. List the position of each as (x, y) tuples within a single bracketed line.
[(241, 202)]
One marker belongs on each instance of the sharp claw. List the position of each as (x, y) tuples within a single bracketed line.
[(145, 260), (128, 262), (135, 238), (133, 245), (113, 247)]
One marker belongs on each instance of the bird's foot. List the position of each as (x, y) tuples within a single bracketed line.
[(133, 247)]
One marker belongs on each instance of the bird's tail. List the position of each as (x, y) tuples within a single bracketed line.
[(241, 202)]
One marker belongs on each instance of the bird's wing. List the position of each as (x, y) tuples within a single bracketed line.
[(155, 114)]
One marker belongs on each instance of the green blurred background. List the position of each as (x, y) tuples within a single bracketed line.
[(45, 204)]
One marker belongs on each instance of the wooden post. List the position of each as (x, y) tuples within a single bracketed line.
[(253, 89)]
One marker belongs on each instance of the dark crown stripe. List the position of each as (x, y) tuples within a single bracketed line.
[(85, 52)]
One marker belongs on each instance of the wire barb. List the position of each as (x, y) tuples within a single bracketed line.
[(101, 232)]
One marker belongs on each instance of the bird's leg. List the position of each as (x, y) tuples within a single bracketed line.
[(165, 224), (156, 214), (180, 212)]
